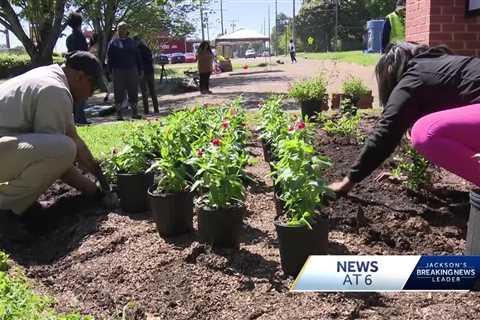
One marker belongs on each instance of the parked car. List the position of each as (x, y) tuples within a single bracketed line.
[(177, 57), (190, 57), (250, 53), (161, 59)]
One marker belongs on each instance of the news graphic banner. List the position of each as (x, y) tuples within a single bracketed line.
[(389, 273)]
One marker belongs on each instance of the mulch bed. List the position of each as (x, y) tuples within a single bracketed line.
[(108, 264)]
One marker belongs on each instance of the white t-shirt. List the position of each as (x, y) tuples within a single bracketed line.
[(292, 47), (38, 101)]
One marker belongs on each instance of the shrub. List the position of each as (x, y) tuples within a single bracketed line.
[(413, 168), (345, 126), (15, 64), (354, 87), (310, 90)]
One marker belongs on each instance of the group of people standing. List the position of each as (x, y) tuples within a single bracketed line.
[(129, 63)]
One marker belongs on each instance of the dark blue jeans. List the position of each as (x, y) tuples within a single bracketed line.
[(79, 113)]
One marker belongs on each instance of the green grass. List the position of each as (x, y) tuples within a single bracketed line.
[(18, 300), (356, 57), (102, 138)]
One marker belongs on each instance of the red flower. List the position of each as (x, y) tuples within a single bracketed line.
[(225, 124), (291, 129), (216, 142), (300, 125), (200, 152)]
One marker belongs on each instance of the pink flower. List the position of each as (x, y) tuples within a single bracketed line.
[(200, 152), (300, 125), (216, 142), (225, 124), (291, 129)]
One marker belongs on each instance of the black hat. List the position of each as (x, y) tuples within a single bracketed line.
[(89, 64), (401, 4)]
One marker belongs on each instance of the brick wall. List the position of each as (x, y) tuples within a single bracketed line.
[(437, 22)]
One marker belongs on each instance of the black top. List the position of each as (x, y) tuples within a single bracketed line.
[(147, 59), (123, 54), (76, 41), (433, 82)]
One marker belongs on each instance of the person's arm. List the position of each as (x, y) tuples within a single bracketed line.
[(399, 114), (387, 28)]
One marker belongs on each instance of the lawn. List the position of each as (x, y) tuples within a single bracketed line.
[(357, 57), (102, 138)]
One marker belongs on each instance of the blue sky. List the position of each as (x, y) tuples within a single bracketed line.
[(244, 13)]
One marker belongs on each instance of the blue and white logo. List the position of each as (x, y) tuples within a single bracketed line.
[(388, 273)]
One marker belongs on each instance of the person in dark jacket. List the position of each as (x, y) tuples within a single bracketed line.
[(434, 94), (76, 41), (148, 79), (125, 64)]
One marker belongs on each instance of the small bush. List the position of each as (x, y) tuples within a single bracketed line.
[(413, 169), (313, 89), (12, 65), (354, 87)]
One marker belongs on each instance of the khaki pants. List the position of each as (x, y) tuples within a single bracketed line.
[(29, 164)]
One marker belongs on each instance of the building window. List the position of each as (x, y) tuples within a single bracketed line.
[(473, 7)]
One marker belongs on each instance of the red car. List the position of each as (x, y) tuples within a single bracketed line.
[(190, 57)]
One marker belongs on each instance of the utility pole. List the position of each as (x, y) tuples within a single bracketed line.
[(221, 15), (269, 34), (293, 22), (276, 26), (336, 25), (233, 25), (208, 29), (264, 26), (201, 20)]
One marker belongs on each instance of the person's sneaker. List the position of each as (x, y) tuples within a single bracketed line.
[(12, 228)]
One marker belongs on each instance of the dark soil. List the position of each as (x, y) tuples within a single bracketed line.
[(109, 264)]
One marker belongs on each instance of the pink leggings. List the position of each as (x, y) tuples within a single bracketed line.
[(449, 139)]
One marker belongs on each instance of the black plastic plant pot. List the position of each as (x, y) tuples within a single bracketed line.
[(312, 107), (132, 191), (298, 242), (221, 228), (172, 212), (267, 152), (472, 243)]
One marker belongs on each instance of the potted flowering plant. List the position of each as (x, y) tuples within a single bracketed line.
[(312, 96), (301, 229), (130, 165), (355, 90), (170, 199), (219, 182), (273, 126)]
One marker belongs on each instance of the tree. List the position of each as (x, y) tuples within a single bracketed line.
[(47, 21), (278, 31), (145, 17), (317, 19)]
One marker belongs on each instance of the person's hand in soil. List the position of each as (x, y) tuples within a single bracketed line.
[(341, 188)]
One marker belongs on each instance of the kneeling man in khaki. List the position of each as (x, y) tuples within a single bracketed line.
[(38, 140)]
